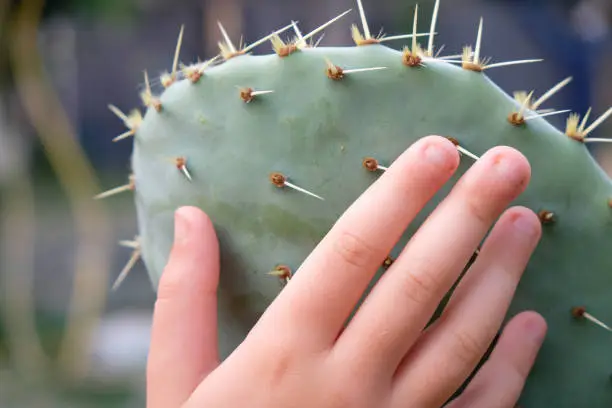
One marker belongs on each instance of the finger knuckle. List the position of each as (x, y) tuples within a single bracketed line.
[(354, 250), (281, 366), (421, 285), (468, 348), (170, 286), (519, 367), (477, 203)]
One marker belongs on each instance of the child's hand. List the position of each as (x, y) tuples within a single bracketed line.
[(299, 356)]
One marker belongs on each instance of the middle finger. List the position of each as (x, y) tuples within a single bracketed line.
[(400, 305)]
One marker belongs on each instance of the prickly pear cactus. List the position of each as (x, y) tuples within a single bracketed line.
[(276, 147)]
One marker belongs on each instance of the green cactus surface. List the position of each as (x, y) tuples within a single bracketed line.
[(274, 148)]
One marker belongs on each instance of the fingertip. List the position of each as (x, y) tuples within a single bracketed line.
[(192, 227), (442, 142), (188, 219), (510, 153), (438, 151), (533, 324), (182, 226), (526, 222), (511, 164), (192, 213), (194, 256)]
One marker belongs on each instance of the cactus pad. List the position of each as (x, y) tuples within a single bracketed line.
[(276, 147)]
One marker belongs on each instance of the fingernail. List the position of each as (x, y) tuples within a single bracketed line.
[(508, 168), (536, 329), (504, 166), (525, 226), (436, 154), (182, 226)]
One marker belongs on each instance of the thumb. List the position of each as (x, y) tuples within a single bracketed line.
[(184, 334)]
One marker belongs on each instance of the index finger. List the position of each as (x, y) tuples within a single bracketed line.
[(332, 279)]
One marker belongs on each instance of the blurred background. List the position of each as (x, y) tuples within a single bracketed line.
[(67, 339)]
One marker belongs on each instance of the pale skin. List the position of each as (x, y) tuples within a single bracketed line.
[(300, 354)]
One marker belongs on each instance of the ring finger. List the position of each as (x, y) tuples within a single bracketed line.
[(461, 336)]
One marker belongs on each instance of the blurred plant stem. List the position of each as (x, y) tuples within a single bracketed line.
[(4, 7), (77, 178), (17, 238)]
